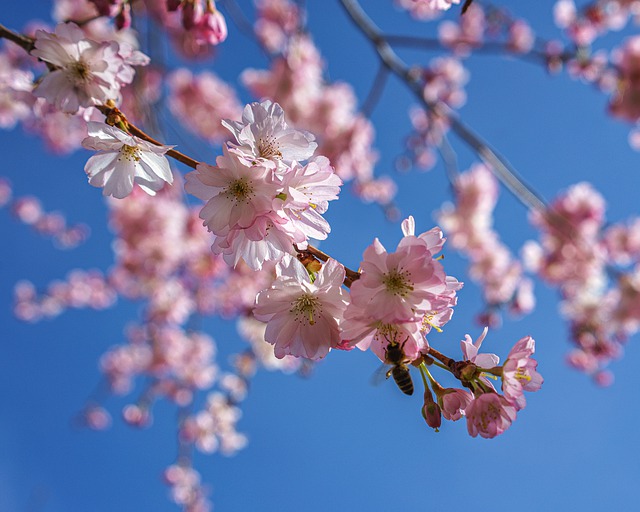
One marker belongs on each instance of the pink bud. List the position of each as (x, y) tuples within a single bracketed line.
[(431, 411), (191, 14), (123, 19), (215, 27), (172, 5)]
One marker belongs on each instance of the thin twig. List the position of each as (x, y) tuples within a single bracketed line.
[(498, 164), (375, 92)]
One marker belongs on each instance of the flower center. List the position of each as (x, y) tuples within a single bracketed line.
[(304, 308), (397, 283), (521, 374), (79, 73), (130, 153), (489, 415), (269, 148), (240, 190)]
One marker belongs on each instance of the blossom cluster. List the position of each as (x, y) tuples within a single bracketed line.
[(29, 210), (578, 252), (488, 413), (260, 200), (469, 223)]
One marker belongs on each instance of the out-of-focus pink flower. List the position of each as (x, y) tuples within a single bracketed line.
[(277, 20), (87, 72), (201, 102), (425, 9)]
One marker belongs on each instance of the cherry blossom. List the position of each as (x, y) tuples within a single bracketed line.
[(123, 160), (489, 415), (303, 316), (453, 402), (519, 372), (264, 133), (86, 72), (471, 349)]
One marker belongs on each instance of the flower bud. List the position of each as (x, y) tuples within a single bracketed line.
[(123, 18), (191, 14), (431, 411)]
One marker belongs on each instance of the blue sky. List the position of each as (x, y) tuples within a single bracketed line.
[(333, 441)]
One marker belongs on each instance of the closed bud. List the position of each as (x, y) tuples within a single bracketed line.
[(431, 412)]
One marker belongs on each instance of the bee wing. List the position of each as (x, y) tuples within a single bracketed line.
[(382, 373)]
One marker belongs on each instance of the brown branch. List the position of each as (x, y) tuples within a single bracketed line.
[(350, 275), (23, 41), (447, 361), (114, 117)]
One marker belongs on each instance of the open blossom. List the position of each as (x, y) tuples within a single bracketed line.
[(398, 286), (123, 160), (471, 348), (264, 133), (489, 415), (303, 317), (87, 72), (308, 190), (237, 191), (400, 295), (519, 372)]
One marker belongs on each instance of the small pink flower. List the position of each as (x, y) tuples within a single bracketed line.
[(454, 402), (489, 415), (122, 160), (237, 191), (519, 372), (470, 351), (264, 133), (303, 317)]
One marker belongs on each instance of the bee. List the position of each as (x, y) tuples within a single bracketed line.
[(394, 355)]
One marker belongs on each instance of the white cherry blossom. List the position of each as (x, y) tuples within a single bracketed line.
[(123, 160)]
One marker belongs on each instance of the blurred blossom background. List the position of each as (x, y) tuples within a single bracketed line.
[(329, 440)]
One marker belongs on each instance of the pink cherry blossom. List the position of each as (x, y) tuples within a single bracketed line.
[(303, 317), (399, 286), (237, 191), (489, 415), (453, 402), (123, 160), (308, 190), (471, 349), (264, 133), (87, 72), (519, 372)]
